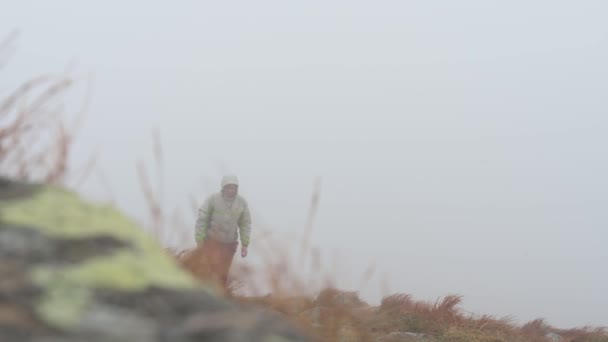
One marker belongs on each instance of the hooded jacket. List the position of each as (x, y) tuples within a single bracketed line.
[(223, 219)]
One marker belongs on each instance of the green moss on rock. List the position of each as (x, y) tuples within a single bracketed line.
[(62, 214)]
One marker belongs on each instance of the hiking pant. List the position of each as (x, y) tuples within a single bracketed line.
[(217, 258)]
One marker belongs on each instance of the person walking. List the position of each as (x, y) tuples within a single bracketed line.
[(223, 220)]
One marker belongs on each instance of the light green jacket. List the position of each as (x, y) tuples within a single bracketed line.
[(224, 220)]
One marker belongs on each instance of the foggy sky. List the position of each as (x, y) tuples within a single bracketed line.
[(461, 145)]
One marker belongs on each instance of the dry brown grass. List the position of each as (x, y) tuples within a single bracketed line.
[(34, 144), (536, 328), (585, 334), (34, 140)]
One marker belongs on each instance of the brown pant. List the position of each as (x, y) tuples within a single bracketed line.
[(217, 259)]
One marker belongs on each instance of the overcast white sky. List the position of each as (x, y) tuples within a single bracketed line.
[(461, 144)]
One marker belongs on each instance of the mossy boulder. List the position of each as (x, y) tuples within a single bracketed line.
[(71, 270)]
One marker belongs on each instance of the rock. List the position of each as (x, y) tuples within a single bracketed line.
[(404, 337), (74, 271), (553, 337)]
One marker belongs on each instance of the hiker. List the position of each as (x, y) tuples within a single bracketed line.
[(222, 220)]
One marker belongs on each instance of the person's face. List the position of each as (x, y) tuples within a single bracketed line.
[(230, 190)]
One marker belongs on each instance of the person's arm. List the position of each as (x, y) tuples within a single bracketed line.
[(245, 226), (203, 220)]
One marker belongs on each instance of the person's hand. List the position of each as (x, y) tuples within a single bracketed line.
[(243, 251)]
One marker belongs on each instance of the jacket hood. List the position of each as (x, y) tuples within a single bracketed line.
[(230, 179)]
